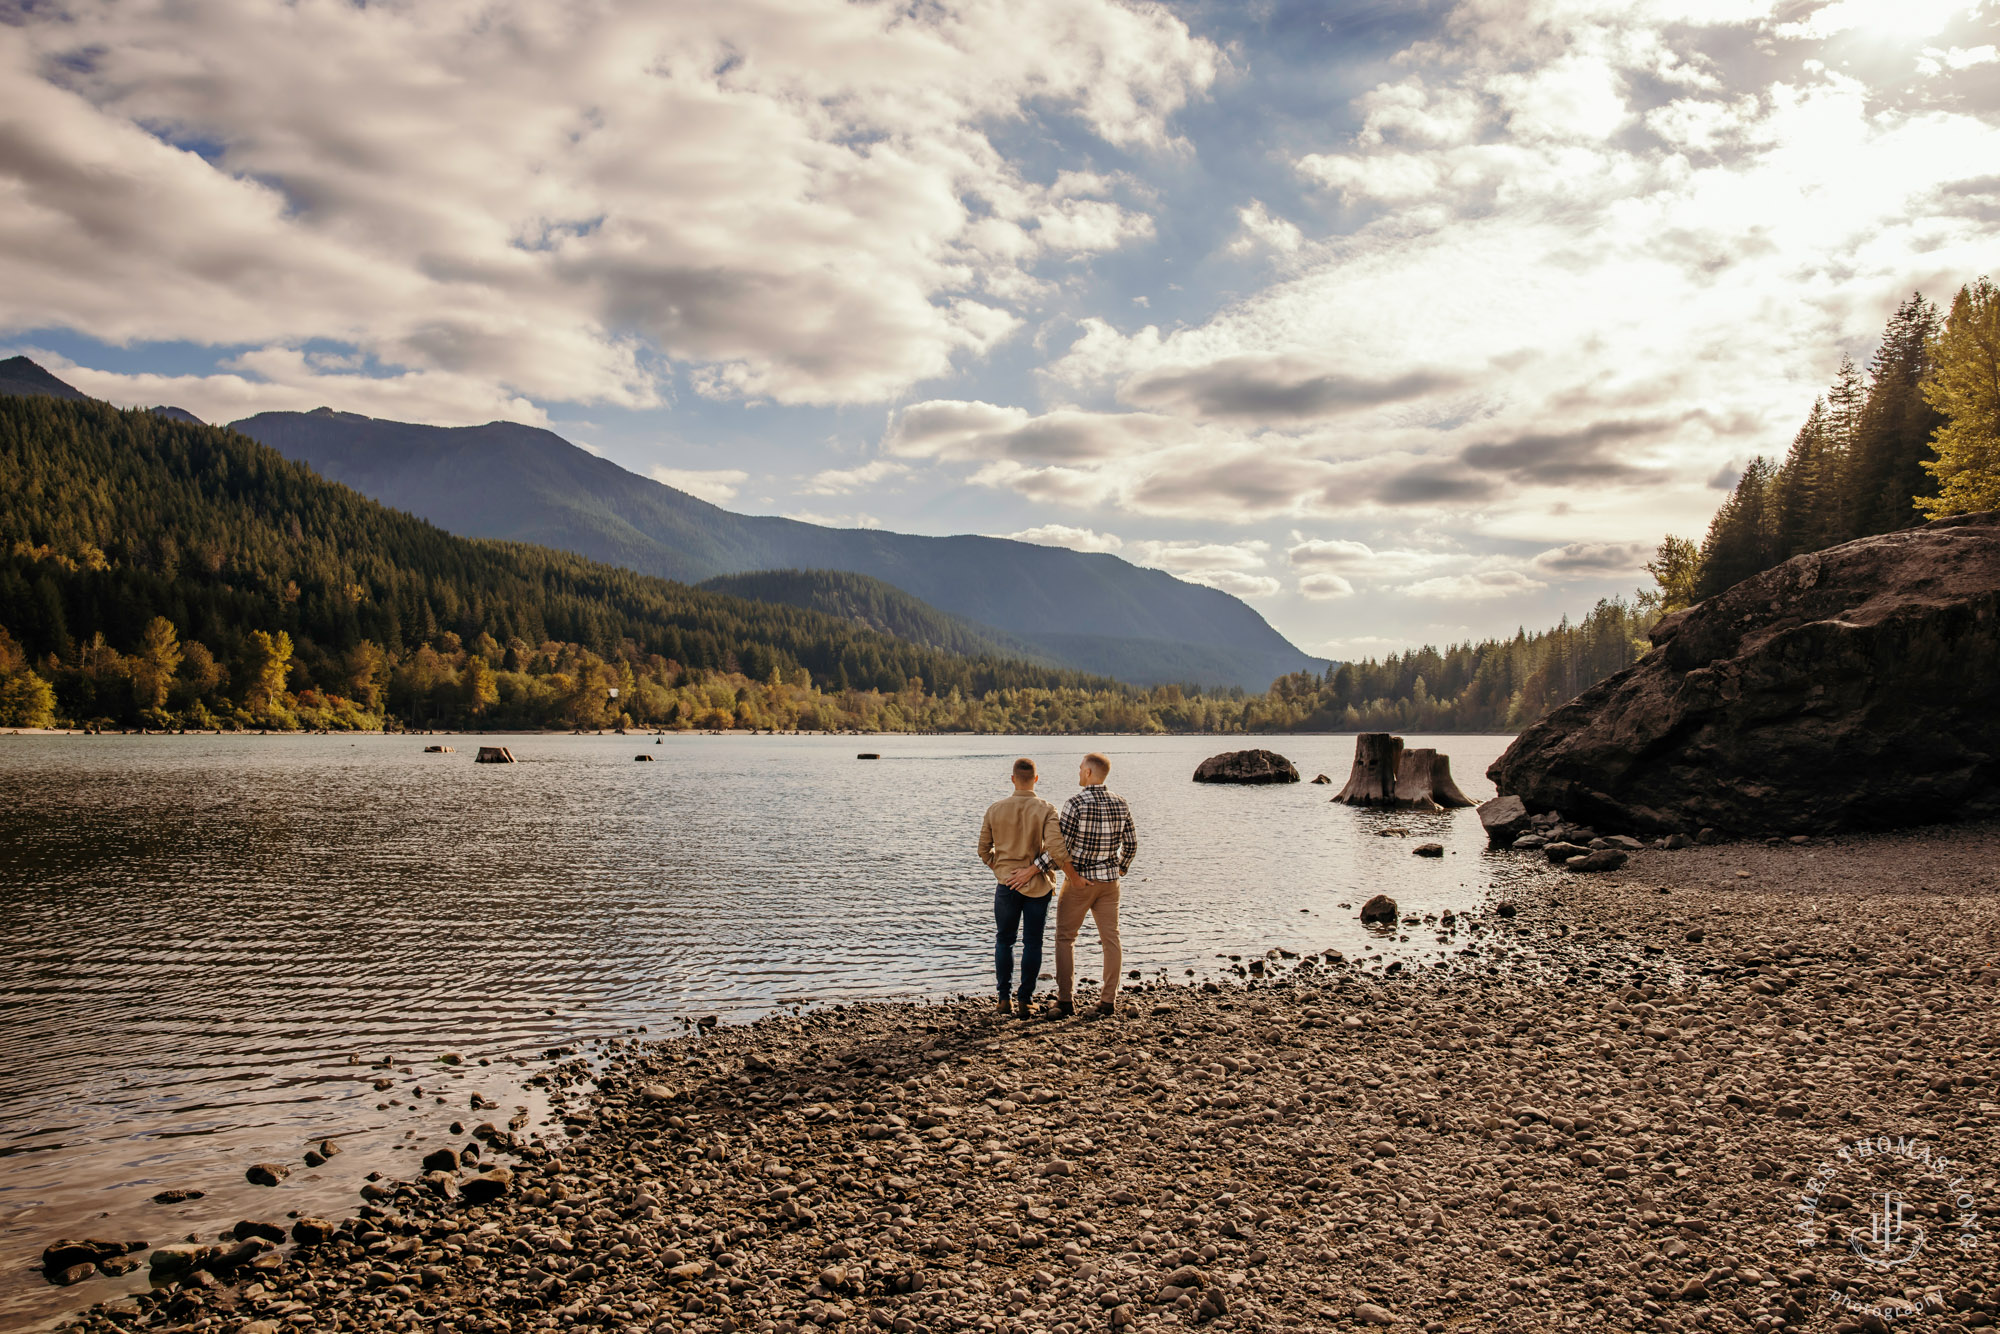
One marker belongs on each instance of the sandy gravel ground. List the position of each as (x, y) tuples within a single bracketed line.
[(1738, 1087)]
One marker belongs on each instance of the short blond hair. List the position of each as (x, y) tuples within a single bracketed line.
[(1099, 763)]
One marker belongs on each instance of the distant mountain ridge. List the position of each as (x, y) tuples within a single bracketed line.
[(526, 484), (22, 376), (878, 606)]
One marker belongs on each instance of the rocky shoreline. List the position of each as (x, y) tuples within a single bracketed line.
[(1622, 1104)]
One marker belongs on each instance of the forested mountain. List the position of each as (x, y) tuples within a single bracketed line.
[(19, 375), (158, 572), (1871, 454), (877, 606), (1497, 685), (116, 524), (1094, 612)]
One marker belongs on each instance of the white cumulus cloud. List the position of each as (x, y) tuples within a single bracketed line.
[(718, 486), (796, 201), (1063, 535), (1479, 586), (1325, 586)]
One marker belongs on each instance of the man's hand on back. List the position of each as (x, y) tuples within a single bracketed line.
[(1021, 877)]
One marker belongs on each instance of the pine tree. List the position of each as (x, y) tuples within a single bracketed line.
[(1676, 571), (1845, 398), (1805, 486), (1742, 539), (1893, 435), (1965, 390)]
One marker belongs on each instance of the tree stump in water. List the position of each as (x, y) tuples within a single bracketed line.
[(1423, 781), (1385, 774), (493, 755), (1444, 789), (1372, 781)]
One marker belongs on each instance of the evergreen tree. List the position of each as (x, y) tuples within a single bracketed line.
[(1893, 434), (1742, 539), (1805, 491), (1965, 391), (1676, 571), (1845, 398)]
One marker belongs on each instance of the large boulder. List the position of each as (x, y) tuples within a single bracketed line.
[(1247, 766), (1505, 819), (1853, 688)]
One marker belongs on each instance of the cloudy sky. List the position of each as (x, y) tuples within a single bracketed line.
[(1404, 321)]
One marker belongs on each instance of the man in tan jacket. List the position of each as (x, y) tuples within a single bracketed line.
[(1021, 842)]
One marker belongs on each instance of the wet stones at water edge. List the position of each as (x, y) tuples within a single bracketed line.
[(1252, 767), (266, 1174), (1504, 819), (68, 1262), (1380, 909), (1597, 1140)]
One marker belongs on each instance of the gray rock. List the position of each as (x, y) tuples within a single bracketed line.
[(1370, 1314), (168, 1261), (1247, 766), (1604, 859), (487, 1186), (1559, 854), (1428, 850), (1798, 699), (1505, 819), (251, 1227), (313, 1231), (1381, 909)]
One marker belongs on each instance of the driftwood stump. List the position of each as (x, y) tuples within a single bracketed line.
[(1385, 774), (1372, 780), (1424, 776), (493, 755)]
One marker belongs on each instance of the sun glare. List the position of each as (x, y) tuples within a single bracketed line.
[(1884, 18)]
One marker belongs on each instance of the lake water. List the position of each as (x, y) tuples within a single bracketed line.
[(199, 932)]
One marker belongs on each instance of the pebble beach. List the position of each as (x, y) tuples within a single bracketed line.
[(1669, 1097)]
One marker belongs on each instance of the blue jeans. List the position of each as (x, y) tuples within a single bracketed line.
[(1014, 911)]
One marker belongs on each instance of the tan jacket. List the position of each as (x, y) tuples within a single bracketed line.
[(1015, 831)]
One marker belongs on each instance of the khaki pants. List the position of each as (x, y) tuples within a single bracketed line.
[(1099, 898)]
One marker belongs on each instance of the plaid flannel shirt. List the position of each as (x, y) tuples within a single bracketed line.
[(1097, 830)]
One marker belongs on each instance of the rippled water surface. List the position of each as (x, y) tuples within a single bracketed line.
[(199, 932)]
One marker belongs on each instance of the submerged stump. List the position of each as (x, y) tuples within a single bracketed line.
[(1387, 775), (493, 755), (1372, 780)]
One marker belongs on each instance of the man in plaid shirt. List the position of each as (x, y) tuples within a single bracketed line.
[(1097, 830)]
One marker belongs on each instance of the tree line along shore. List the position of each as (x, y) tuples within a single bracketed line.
[(160, 574), (164, 574)]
